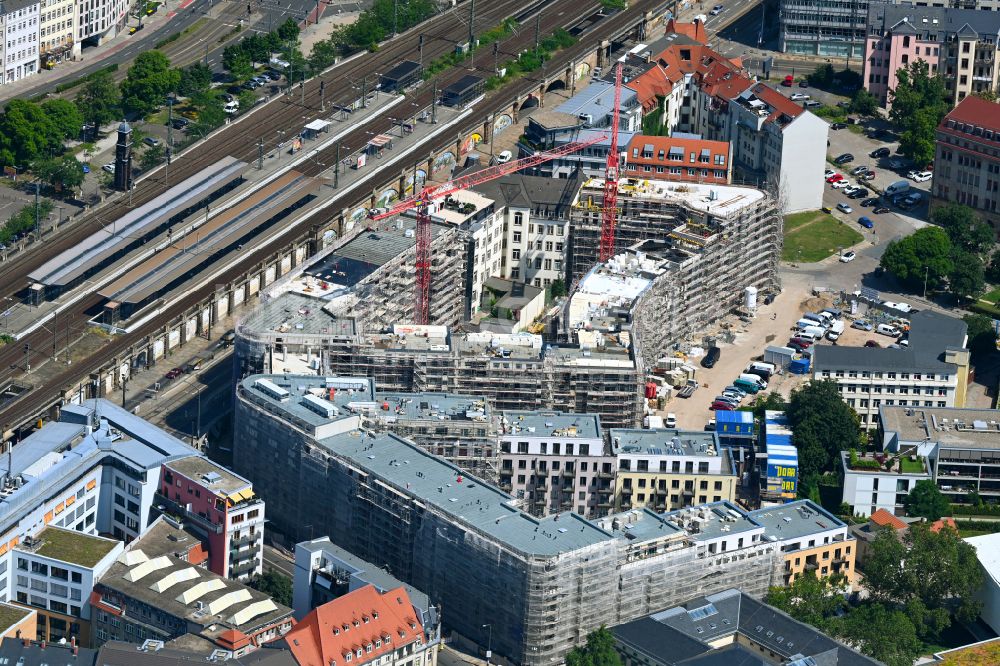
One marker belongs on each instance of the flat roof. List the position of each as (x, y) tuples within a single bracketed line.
[(988, 552), (413, 472), (710, 519), (69, 546), (795, 520), (296, 314), (347, 391), (638, 525), (719, 200), (665, 442), (463, 84), (11, 615), (951, 426), (402, 70), (598, 101), (541, 423), (431, 406), (212, 475)]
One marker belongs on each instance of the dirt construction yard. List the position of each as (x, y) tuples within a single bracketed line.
[(772, 326)]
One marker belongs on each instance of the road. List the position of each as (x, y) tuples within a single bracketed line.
[(276, 560)]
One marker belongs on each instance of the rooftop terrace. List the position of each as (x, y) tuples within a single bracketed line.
[(951, 426), (551, 424), (213, 476)]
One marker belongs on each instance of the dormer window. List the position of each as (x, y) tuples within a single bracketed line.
[(360, 652), (365, 618), (378, 643), (368, 648), (347, 656)]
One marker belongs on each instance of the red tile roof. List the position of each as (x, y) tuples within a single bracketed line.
[(234, 639), (976, 111), (886, 519), (363, 623), (197, 554), (777, 101), (714, 73), (695, 30), (634, 158), (939, 525)]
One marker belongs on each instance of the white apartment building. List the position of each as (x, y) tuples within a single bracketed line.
[(55, 34), (932, 371), (868, 490), (20, 25), (98, 20), (534, 213), (778, 142), (556, 462)]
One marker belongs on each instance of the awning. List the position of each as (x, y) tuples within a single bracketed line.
[(380, 140), (318, 125)]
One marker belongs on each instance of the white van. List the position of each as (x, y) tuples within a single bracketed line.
[(802, 324), (769, 368), (835, 330), (898, 187), (815, 332), (759, 381), (827, 318), (813, 317), (887, 329), (231, 107)]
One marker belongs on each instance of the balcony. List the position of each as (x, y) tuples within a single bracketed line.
[(173, 508), (247, 566), (569, 473), (244, 540), (605, 475)]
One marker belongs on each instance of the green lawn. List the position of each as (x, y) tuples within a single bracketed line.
[(814, 236), (992, 296), (911, 466)]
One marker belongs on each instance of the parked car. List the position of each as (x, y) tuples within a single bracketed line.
[(895, 163), (716, 10), (671, 420), (862, 325), (834, 178), (901, 307), (174, 373), (733, 389), (828, 173), (504, 156), (811, 104), (840, 184), (800, 342), (721, 406), (273, 75), (851, 189), (109, 167), (859, 169), (711, 358), (798, 97), (858, 193), (151, 141), (871, 201), (844, 158), (922, 176), (844, 208), (181, 123), (847, 257), (880, 210), (838, 126), (880, 152), (803, 84), (867, 175)]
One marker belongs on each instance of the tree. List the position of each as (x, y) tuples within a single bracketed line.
[(247, 100), (823, 426), (237, 62), (923, 255), (965, 228), (195, 78), (277, 586), (152, 157), (968, 277), (62, 172), (927, 501), (288, 31), (822, 76), (993, 270), (768, 401), (65, 116), (210, 113), (919, 103), (864, 103), (147, 83), (557, 289), (811, 599), (257, 47), (323, 54), (99, 100), (982, 335), (937, 569), (599, 650), (883, 633), (26, 133), (987, 94)]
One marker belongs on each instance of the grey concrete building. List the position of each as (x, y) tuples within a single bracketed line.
[(540, 584)]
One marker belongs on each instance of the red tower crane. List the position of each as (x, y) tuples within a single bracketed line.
[(610, 202), (423, 199)]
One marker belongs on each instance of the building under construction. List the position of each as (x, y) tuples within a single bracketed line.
[(539, 585), (734, 233), (513, 371)]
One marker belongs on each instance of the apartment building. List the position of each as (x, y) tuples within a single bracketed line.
[(959, 449), (365, 626), (460, 428), (53, 573), (590, 161), (20, 19), (150, 593), (56, 32), (100, 20), (555, 462), (729, 627), (775, 143), (534, 237), (686, 265), (832, 29), (324, 571), (967, 158), (667, 469), (958, 44), (222, 508), (672, 158), (155, 653), (932, 371), (494, 568), (812, 540), (512, 371)]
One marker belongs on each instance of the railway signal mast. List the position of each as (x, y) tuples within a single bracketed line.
[(610, 202), (423, 199)]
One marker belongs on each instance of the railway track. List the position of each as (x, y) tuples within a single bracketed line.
[(240, 141)]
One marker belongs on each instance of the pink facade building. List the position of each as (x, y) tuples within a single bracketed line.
[(222, 508)]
